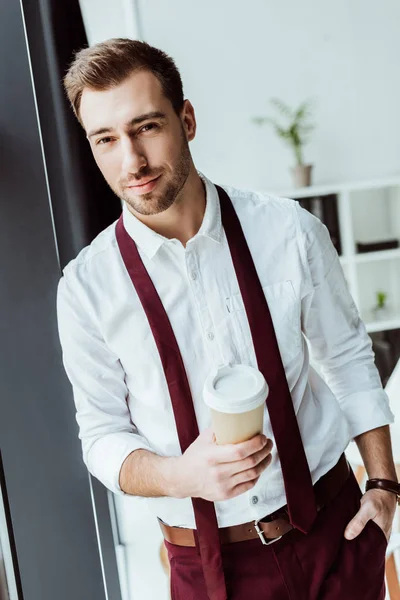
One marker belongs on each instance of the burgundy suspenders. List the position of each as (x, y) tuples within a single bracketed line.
[(296, 474)]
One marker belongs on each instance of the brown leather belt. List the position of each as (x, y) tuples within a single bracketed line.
[(272, 527)]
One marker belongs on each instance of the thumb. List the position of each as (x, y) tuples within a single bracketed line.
[(208, 435), (357, 524)]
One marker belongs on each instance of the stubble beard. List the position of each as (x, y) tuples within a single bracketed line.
[(158, 201)]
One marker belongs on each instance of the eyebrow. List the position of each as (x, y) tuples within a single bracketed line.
[(132, 123)]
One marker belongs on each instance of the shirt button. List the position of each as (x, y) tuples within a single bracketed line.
[(210, 336), (193, 275), (254, 499)]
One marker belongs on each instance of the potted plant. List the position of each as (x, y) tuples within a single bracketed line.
[(294, 133), (380, 310)]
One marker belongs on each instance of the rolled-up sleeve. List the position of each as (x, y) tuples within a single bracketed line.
[(106, 430), (338, 340)]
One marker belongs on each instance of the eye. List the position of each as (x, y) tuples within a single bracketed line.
[(104, 140), (149, 127)]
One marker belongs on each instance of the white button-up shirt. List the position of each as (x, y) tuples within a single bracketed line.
[(111, 358)]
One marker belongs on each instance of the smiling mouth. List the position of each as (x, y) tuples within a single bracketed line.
[(141, 185), (140, 189)]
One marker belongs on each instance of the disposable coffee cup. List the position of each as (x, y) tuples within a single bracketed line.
[(236, 396)]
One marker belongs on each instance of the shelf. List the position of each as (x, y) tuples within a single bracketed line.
[(368, 211), (375, 217), (374, 326), (379, 255), (364, 212), (335, 188), (367, 257)]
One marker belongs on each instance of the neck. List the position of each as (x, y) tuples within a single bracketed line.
[(183, 219)]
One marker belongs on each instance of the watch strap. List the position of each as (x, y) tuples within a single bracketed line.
[(384, 484)]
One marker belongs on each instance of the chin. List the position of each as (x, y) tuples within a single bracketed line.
[(146, 208)]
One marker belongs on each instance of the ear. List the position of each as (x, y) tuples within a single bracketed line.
[(189, 120)]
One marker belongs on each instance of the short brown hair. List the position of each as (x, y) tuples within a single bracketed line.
[(108, 63)]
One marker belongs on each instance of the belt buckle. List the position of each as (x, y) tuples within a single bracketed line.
[(261, 534)]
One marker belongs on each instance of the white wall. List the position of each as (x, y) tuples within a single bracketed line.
[(104, 19), (234, 56)]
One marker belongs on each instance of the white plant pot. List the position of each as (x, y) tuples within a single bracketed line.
[(302, 175), (381, 314)]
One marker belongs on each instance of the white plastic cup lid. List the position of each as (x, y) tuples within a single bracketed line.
[(235, 389)]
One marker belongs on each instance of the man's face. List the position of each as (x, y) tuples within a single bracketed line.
[(138, 141)]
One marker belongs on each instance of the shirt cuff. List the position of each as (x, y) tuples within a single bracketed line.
[(105, 457), (366, 410)]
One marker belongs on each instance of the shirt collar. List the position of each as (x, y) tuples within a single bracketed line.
[(150, 242)]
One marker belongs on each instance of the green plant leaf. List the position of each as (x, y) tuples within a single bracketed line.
[(282, 107), (258, 120), (381, 299), (298, 127)]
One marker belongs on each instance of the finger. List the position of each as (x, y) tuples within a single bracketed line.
[(207, 435), (242, 488), (231, 469), (357, 524), (206, 438), (251, 474), (236, 452)]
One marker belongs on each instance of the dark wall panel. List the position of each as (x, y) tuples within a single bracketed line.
[(47, 483)]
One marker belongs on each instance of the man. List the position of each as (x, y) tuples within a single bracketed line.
[(189, 278)]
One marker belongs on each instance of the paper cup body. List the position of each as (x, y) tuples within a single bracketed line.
[(236, 396)]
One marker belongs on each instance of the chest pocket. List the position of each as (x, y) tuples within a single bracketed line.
[(284, 307)]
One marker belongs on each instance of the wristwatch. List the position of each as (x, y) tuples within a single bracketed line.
[(384, 484)]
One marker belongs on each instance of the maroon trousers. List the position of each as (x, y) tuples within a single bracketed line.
[(322, 565)]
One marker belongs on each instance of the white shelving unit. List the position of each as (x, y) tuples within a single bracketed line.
[(368, 212)]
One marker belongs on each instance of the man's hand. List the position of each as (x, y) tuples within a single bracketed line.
[(216, 473), (378, 505)]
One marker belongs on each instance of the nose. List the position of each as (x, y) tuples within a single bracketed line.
[(133, 157)]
